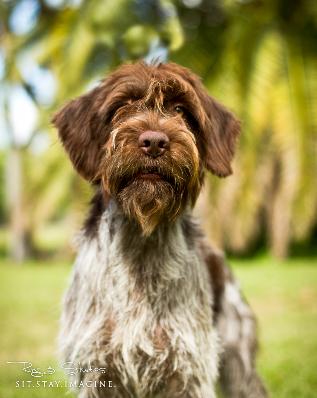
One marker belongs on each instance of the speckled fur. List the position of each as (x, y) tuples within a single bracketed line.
[(157, 305), (149, 299)]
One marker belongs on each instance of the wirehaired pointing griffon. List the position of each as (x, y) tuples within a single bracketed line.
[(150, 301)]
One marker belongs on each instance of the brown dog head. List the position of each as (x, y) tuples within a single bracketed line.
[(146, 133)]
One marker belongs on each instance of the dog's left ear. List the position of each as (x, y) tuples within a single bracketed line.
[(219, 127), (220, 130)]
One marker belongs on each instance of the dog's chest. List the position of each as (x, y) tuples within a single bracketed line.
[(155, 292), (149, 308)]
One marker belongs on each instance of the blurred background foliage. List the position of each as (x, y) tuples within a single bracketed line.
[(257, 57)]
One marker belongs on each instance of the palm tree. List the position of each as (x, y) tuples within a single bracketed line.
[(263, 66), (259, 58)]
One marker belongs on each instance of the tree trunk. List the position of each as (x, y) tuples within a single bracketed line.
[(18, 244)]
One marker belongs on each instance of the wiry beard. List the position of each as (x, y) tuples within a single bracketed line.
[(149, 203), (151, 191)]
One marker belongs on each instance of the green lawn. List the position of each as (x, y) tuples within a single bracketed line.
[(283, 295)]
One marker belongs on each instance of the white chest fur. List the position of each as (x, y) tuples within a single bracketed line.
[(147, 307)]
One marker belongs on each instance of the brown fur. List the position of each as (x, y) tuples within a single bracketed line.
[(85, 123), (101, 132)]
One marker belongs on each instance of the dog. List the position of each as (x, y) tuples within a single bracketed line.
[(152, 310)]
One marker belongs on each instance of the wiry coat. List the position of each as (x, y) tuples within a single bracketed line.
[(149, 299), (142, 308)]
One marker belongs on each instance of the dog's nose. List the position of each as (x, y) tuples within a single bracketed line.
[(153, 143)]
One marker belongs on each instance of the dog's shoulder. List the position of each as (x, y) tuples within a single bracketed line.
[(98, 205)]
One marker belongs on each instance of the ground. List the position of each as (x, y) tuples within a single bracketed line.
[(282, 294)]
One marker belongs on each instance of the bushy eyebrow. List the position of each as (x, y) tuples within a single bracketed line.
[(174, 89), (129, 90), (158, 89)]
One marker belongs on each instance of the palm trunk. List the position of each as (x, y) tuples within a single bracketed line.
[(18, 241), (18, 245)]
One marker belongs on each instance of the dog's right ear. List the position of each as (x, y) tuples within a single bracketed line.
[(82, 132)]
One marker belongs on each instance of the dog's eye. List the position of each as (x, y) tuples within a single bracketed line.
[(179, 109)]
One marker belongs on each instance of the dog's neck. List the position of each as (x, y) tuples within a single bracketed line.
[(155, 262), (133, 241), (138, 248)]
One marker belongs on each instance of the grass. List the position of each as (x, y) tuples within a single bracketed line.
[(283, 295), (29, 313)]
